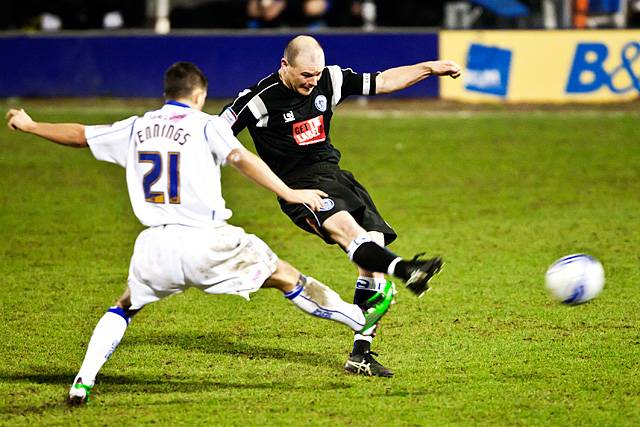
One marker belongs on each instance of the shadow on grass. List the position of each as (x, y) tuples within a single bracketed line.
[(172, 389), (207, 343), (212, 343), (161, 384), (38, 378), (219, 344)]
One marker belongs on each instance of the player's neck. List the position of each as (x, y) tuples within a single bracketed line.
[(183, 102), (283, 80)]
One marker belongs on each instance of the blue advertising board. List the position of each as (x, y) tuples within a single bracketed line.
[(488, 69), (132, 65)]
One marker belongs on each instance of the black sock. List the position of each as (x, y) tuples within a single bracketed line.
[(361, 347), (373, 257), (360, 296), (400, 270)]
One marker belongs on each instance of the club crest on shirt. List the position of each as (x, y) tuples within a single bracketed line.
[(309, 131), (321, 103), (327, 205)]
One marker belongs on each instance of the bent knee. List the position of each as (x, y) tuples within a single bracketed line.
[(343, 228), (285, 278)]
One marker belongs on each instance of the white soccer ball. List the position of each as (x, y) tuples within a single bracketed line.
[(575, 279)]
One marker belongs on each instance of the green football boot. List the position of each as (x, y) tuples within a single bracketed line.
[(378, 305), (79, 393)]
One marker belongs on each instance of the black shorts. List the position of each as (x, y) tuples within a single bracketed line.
[(345, 194)]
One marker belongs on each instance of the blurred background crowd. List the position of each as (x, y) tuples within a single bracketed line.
[(162, 15)]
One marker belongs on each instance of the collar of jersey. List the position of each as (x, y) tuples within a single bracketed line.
[(177, 104)]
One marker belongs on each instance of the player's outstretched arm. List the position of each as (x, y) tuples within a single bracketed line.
[(395, 79), (257, 170), (70, 134)]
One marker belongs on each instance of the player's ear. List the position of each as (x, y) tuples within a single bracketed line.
[(201, 97), (284, 63)]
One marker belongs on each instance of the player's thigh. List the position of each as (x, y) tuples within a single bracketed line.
[(227, 260), (155, 270), (340, 199), (343, 228), (369, 217), (347, 179)]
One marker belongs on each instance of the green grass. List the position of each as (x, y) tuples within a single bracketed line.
[(499, 195)]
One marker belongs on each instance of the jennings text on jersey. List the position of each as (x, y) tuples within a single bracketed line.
[(166, 131)]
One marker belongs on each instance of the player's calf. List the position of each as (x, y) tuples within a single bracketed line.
[(377, 306), (105, 339), (321, 301), (416, 272)]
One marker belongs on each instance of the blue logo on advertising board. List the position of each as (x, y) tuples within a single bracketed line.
[(488, 69), (588, 73)]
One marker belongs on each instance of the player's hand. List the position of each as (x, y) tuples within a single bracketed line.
[(445, 68), (311, 198), (19, 120)]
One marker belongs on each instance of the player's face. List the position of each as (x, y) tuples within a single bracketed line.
[(305, 79), (302, 77)]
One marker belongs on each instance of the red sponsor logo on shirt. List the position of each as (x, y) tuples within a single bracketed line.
[(309, 131)]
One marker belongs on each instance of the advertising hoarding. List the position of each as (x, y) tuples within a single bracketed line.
[(543, 66)]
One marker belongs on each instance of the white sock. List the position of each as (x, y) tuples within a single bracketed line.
[(375, 285), (106, 337), (371, 284), (365, 335), (364, 282), (392, 267), (380, 283), (321, 301), (355, 244)]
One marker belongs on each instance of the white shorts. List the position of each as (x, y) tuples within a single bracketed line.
[(221, 259)]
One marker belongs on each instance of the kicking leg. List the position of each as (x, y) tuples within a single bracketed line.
[(106, 336), (370, 256), (317, 299)]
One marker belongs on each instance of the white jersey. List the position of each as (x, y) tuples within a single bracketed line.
[(172, 157)]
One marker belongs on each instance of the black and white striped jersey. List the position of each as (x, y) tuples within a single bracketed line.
[(290, 130)]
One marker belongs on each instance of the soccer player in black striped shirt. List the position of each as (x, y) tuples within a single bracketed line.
[(288, 114)]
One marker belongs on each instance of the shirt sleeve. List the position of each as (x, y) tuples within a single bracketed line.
[(221, 139), (110, 143), (346, 82), (246, 110)]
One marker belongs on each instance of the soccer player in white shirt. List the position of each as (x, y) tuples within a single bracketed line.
[(172, 158)]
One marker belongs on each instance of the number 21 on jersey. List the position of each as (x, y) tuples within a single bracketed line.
[(151, 177)]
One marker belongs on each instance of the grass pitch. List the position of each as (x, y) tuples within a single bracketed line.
[(500, 195)]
